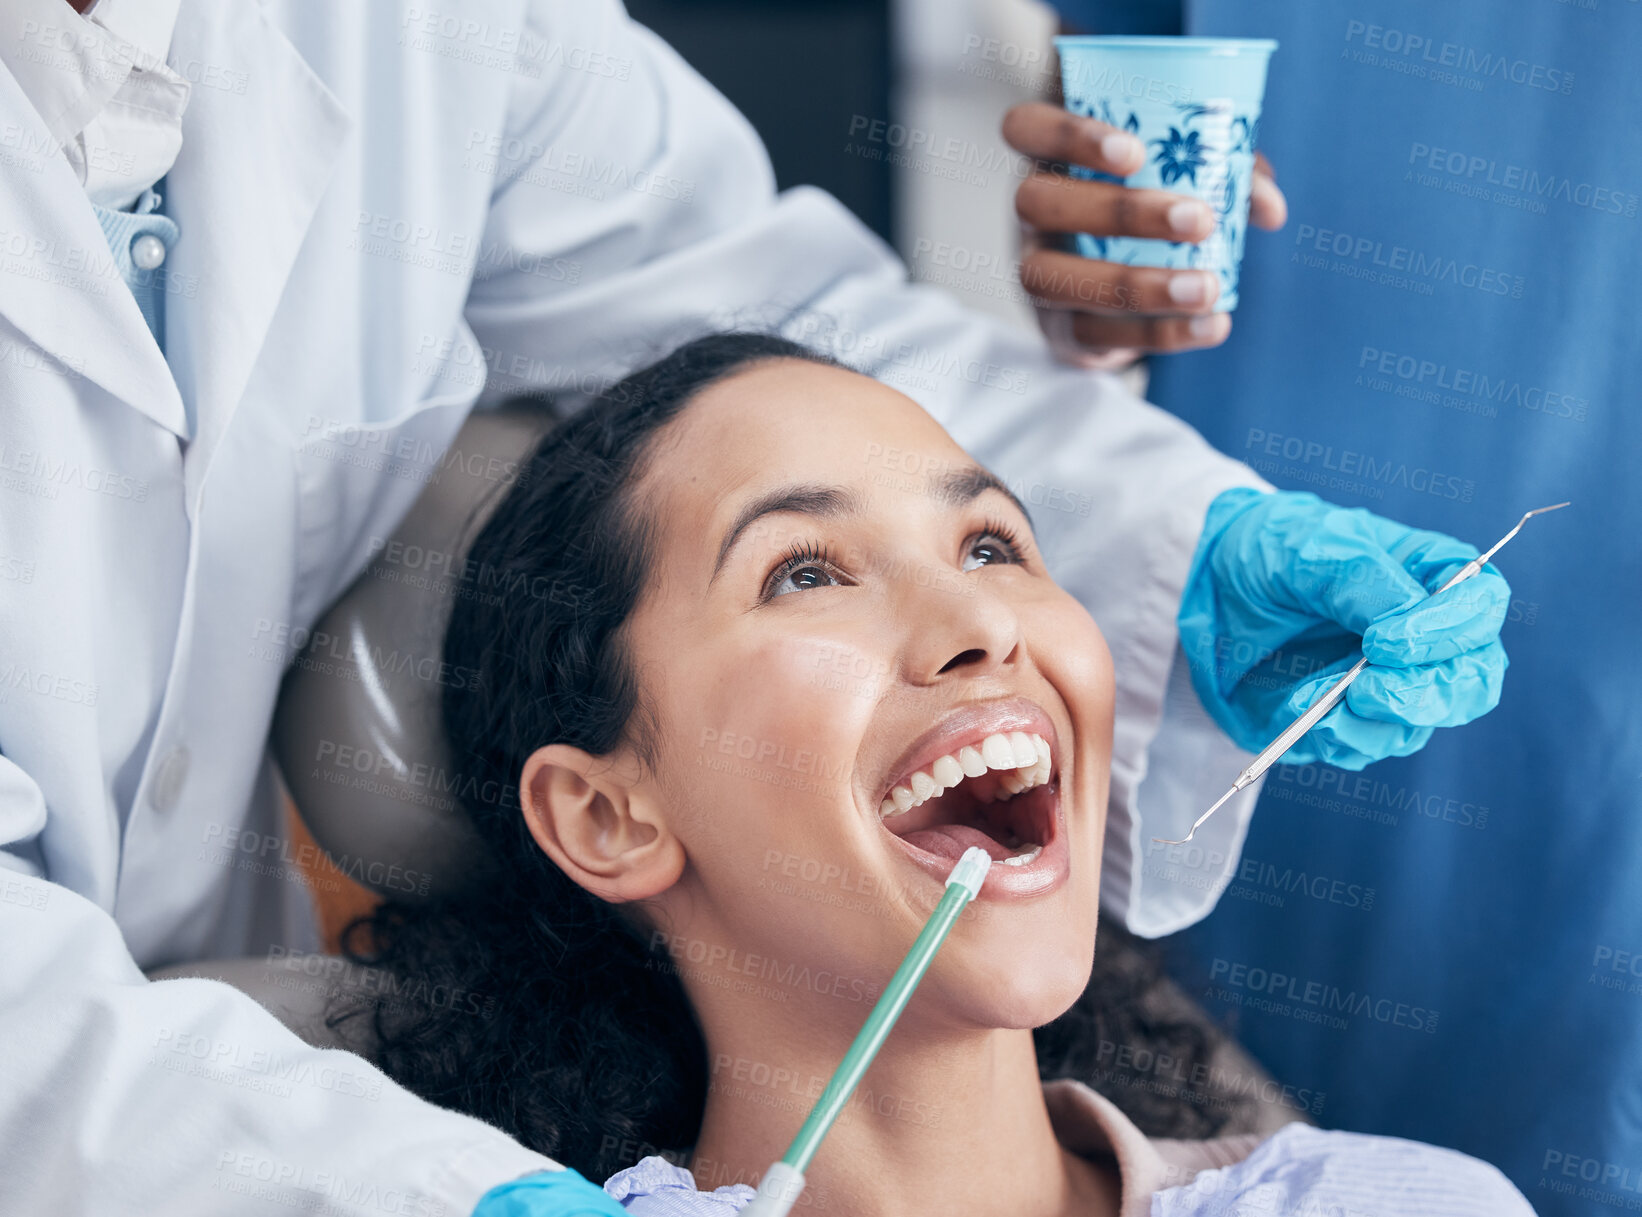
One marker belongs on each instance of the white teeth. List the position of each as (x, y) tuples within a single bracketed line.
[(1023, 758), (1021, 859), (997, 752), (1025, 753)]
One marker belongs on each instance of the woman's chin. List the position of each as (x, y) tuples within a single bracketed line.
[(1024, 992)]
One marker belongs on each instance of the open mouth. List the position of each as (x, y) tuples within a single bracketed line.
[(1000, 792)]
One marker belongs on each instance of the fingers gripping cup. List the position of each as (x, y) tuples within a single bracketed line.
[(1195, 105)]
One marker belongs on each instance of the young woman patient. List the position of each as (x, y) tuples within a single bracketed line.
[(747, 689)]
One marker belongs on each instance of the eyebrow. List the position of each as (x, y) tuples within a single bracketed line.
[(954, 488)]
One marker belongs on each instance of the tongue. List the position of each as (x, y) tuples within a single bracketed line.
[(950, 841)]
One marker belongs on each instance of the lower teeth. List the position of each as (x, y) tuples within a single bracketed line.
[(1022, 859)]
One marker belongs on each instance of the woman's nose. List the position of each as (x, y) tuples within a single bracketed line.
[(970, 633)]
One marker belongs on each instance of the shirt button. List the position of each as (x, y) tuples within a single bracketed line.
[(168, 778), (147, 251)]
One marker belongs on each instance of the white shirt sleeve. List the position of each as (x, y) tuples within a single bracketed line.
[(657, 193), (214, 1106)]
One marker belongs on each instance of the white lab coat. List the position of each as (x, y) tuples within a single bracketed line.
[(379, 205)]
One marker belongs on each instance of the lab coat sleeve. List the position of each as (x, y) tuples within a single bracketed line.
[(185, 1097), (655, 201)]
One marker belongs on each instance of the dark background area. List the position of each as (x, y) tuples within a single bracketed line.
[(800, 72)]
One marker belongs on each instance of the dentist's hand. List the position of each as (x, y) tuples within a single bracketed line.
[(1102, 314), (1283, 591), (564, 1193)]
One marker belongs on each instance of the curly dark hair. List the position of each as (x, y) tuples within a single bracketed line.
[(590, 1046)]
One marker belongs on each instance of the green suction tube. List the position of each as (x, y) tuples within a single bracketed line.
[(783, 1182)]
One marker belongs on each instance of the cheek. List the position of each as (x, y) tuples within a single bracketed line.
[(767, 742), (1079, 665), (763, 801)]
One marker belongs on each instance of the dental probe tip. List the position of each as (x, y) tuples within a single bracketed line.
[(1218, 803)]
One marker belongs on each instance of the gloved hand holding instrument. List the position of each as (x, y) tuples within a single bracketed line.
[(1282, 585)]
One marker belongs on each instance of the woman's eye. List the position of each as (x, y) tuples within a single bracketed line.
[(802, 567), (994, 546), (807, 566), (801, 578)]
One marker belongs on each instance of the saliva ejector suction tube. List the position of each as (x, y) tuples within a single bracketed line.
[(782, 1184)]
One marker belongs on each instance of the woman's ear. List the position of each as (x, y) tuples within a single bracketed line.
[(587, 815)]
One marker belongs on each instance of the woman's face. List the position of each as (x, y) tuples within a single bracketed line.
[(804, 662)]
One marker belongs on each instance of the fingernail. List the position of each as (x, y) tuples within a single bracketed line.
[(1188, 215), (1120, 148), (1212, 326), (1189, 287)]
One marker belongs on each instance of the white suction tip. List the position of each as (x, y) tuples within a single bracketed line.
[(971, 870), (778, 1191)]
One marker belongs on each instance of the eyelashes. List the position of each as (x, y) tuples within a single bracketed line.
[(1006, 534), (820, 554), (796, 558)]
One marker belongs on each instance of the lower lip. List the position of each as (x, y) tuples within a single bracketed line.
[(1044, 874)]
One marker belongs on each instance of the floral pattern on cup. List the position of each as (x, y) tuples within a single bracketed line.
[(1199, 148)]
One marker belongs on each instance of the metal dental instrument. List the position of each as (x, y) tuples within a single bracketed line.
[(782, 1184), (1329, 700)]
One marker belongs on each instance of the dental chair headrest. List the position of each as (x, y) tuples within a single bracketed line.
[(357, 732)]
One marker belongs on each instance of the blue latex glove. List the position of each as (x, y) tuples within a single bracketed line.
[(1287, 592), (565, 1193)]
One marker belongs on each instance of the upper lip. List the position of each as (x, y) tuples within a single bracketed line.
[(970, 724)]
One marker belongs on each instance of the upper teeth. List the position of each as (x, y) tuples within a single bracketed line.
[(1025, 756)]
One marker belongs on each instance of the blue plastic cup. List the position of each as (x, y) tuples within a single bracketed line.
[(1195, 104)]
